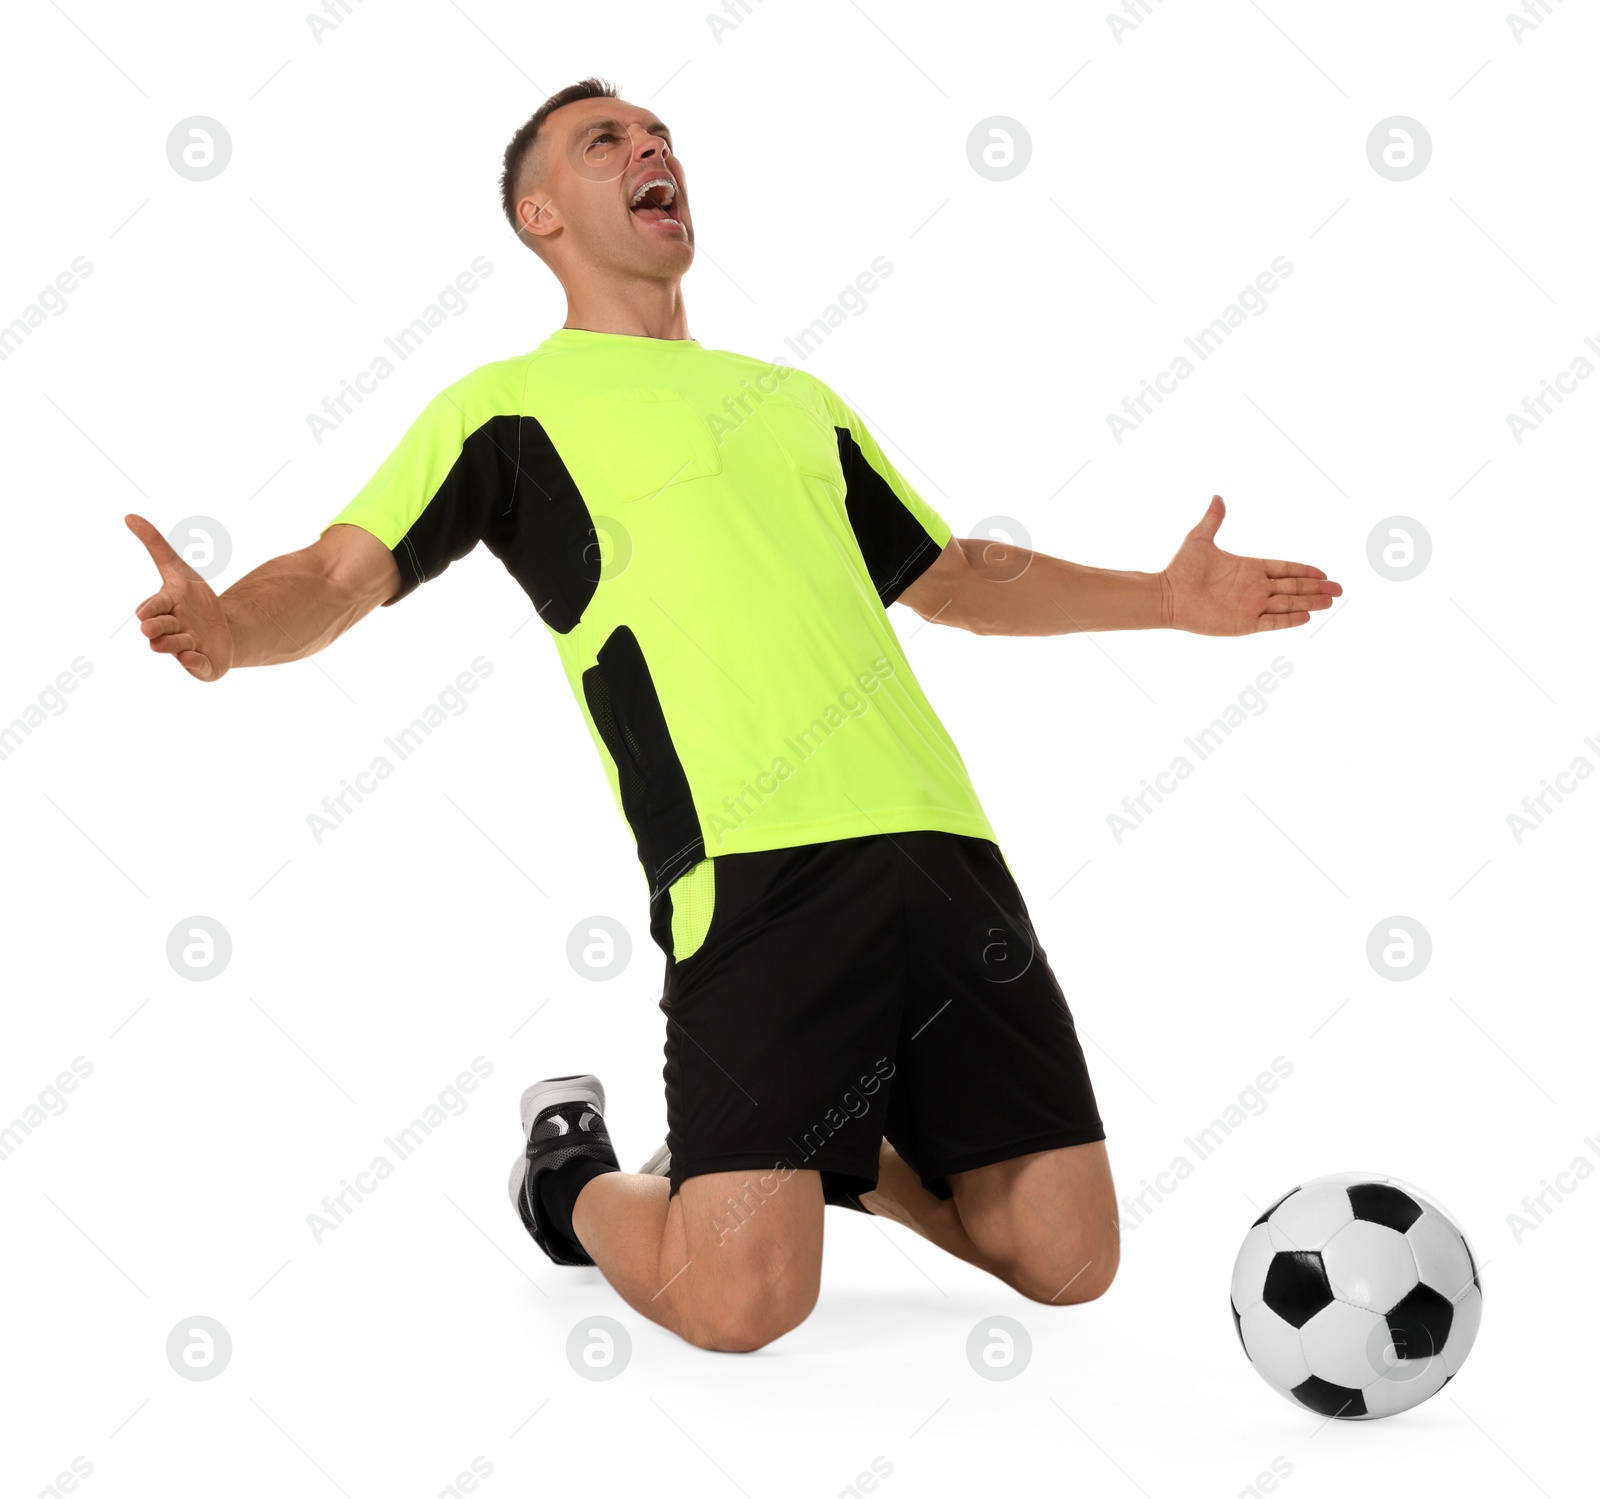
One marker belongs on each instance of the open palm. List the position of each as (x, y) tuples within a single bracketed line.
[(1213, 592)]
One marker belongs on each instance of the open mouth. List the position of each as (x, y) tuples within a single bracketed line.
[(655, 200)]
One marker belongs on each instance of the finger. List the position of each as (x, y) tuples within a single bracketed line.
[(157, 603), (162, 624), (1298, 586), (1207, 525), (196, 665), (167, 561), (1280, 603), (174, 644), (1282, 621), (1292, 570)]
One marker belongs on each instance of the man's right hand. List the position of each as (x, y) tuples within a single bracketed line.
[(184, 617)]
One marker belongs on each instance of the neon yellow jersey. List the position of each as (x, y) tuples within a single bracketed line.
[(712, 543)]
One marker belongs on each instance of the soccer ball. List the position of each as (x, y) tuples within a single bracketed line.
[(1356, 1296)]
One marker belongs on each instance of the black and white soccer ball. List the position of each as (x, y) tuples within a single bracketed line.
[(1356, 1296)]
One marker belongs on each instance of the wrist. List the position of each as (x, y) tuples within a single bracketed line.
[(234, 644)]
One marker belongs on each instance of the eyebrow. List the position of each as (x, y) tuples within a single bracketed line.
[(655, 127)]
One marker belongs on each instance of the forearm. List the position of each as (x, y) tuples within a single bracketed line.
[(290, 608), (1007, 590)]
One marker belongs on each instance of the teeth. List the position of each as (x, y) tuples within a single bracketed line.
[(644, 187)]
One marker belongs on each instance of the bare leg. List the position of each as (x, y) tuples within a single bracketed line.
[(901, 1197), (730, 1262), (1044, 1223), (734, 1259), (1048, 1221)]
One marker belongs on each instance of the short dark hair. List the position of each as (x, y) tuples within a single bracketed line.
[(522, 142)]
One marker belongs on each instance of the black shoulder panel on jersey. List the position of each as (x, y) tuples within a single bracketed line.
[(626, 709), (896, 548), (510, 490)]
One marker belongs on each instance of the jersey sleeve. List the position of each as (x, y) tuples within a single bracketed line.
[(435, 496), (900, 534)]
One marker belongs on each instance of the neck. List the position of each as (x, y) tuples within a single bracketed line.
[(646, 309)]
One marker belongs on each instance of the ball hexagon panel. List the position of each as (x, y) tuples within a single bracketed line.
[(1296, 1286), (1307, 1219), (1433, 1205), (1345, 1345), (1370, 1265), (1273, 1347), (1250, 1269), (1443, 1260)]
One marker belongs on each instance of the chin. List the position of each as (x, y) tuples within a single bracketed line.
[(666, 260)]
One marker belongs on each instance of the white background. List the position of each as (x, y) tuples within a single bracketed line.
[(1229, 929)]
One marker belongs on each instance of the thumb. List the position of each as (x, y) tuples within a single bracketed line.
[(1207, 526), (168, 563)]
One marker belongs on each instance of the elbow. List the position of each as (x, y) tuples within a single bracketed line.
[(953, 612)]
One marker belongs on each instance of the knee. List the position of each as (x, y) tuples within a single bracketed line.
[(1063, 1269), (1082, 1273), (744, 1314)]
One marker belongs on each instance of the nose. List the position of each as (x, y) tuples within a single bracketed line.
[(649, 147)]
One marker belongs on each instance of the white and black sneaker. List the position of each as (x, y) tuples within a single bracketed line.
[(660, 1164), (561, 1120)]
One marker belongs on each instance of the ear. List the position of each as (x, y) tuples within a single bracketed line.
[(538, 216)]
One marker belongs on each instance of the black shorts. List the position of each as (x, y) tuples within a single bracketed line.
[(889, 986)]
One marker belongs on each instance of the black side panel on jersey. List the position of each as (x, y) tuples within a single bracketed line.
[(510, 490), (626, 710), (896, 548)]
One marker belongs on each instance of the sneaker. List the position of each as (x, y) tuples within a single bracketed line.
[(660, 1164), (561, 1119)]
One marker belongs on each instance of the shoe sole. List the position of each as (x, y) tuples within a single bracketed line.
[(536, 1098)]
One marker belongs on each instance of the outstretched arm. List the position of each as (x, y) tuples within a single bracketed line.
[(992, 588), (286, 609)]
